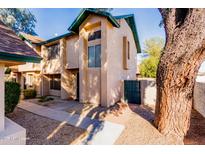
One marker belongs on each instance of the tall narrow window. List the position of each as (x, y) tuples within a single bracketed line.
[(98, 56), (94, 56), (91, 56), (128, 49)]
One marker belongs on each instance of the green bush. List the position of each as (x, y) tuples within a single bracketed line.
[(45, 99), (148, 67), (29, 93), (12, 95)]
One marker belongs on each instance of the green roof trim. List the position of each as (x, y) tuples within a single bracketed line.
[(131, 22), (55, 39), (85, 13), (19, 58)]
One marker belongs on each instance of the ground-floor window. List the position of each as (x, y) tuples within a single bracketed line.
[(55, 82)]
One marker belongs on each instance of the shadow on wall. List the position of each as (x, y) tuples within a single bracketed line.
[(148, 91)]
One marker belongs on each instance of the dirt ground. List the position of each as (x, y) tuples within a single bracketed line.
[(134, 125), (40, 130), (196, 133), (137, 119)]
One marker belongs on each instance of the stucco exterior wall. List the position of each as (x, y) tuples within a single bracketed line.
[(72, 52), (93, 81), (115, 72), (69, 56), (148, 91), (199, 97), (44, 85), (52, 66)]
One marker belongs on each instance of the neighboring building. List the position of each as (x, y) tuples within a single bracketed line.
[(90, 62), (13, 51), (28, 75)]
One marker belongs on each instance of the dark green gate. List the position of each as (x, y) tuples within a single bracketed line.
[(132, 91)]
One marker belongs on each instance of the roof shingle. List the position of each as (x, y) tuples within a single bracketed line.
[(10, 43)]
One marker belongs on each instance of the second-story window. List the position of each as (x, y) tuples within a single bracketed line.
[(94, 56), (53, 51), (94, 36)]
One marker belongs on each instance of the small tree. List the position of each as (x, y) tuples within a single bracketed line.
[(148, 67)]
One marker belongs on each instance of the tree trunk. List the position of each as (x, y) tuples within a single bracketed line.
[(179, 63)]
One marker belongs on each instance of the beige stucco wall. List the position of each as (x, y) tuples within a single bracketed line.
[(115, 72), (44, 85), (52, 66), (72, 52), (111, 74), (93, 81), (148, 91), (69, 58), (29, 67), (199, 97)]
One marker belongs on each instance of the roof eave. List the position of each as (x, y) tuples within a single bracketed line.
[(19, 58), (77, 21), (55, 39)]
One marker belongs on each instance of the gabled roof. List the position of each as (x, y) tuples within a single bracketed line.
[(85, 13), (112, 19), (55, 38), (74, 28), (12, 48), (30, 38), (130, 19)]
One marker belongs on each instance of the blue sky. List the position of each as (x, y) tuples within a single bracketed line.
[(51, 22)]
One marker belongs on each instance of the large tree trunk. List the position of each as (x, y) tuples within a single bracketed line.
[(179, 63)]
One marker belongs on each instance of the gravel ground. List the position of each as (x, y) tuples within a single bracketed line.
[(44, 131), (138, 127), (196, 133)]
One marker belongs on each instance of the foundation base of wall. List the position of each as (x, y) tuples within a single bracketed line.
[(13, 134)]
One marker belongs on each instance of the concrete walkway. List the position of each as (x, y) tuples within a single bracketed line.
[(100, 132)]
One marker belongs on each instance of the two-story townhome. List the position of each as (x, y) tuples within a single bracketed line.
[(28, 75), (90, 62)]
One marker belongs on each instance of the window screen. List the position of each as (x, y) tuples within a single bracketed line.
[(98, 56), (94, 56), (91, 56)]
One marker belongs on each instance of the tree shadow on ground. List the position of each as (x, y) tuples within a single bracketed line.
[(144, 111)]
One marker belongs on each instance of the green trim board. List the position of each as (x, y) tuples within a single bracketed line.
[(74, 28), (130, 19), (19, 58), (85, 13), (55, 39)]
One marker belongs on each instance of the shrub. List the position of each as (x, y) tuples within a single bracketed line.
[(29, 93), (45, 99), (148, 67), (12, 95)]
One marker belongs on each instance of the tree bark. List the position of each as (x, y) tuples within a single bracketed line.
[(179, 63)]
